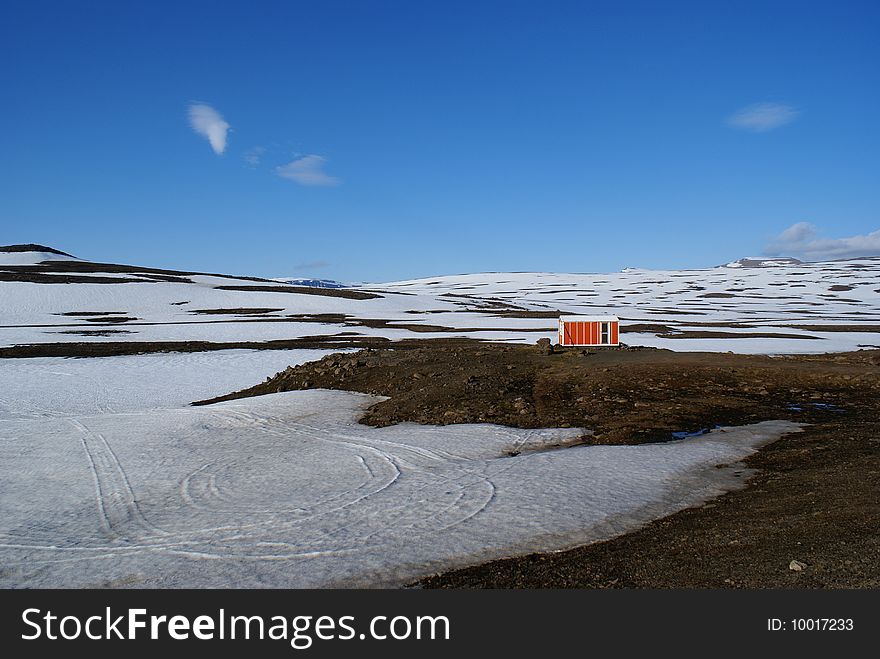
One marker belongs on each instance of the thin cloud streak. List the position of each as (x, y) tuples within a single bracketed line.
[(762, 117), (308, 170)]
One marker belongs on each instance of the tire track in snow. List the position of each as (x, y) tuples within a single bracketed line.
[(464, 506), (435, 460), (434, 491), (117, 504), (288, 430)]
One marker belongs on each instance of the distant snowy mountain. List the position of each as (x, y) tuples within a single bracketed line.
[(762, 262), (312, 283)]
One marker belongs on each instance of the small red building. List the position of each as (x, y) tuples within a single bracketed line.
[(589, 330)]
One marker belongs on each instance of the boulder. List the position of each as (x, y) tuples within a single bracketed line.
[(545, 347)]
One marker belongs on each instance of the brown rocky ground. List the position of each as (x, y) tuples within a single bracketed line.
[(815, 497), (625, 396)]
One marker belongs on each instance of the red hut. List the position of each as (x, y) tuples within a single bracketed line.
[(589, 330)]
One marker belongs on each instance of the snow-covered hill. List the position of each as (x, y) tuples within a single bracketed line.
[(783, 307), (31, 254)]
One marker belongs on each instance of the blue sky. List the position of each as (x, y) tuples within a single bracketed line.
[(386, 140)]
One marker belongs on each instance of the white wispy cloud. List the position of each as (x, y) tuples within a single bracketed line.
[(803, 241), (253, 156), (761, 117), (208, 123), (307, 170)]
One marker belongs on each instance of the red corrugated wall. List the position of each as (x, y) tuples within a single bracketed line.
[(586, 333)]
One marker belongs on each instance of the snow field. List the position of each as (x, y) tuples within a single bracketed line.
[(288, 490)]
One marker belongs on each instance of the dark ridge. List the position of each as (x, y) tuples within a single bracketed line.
[(168, 278), (306, 290), (707, 334), (239, 311), (91, 313), (650, 328), (117, 348), (96, 332), (33, 247), (520, 313), (343, 340), (49, 278), (110, 319), (871, 329), (114, 268)]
